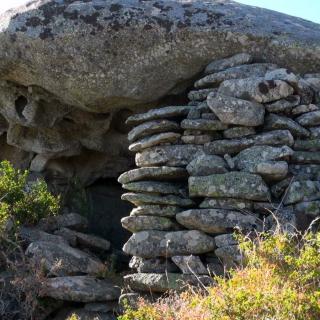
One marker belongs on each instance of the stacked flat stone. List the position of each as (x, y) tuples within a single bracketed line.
[(244, 150)]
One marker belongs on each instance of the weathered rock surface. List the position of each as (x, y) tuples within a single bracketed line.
[(228, 204), (310, 119), (29, 235), (80, 289), (69, 220), (164, 282), (84, 240), (154, 173), (298, 191), (147, 198), (156, 187), (233, 146), (175, 155), (157, 139), (229, 185), (140, 223), (61, 259), (256, 89), (155, 265), (152, 127), (238, 132), (225, 240), (285, 105), (156, 210), (236, 111), (203, 124), (190, 264), (150, 244), (205, 165), (217, 220)]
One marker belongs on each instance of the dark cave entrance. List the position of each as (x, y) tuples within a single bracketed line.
[(106, 210)]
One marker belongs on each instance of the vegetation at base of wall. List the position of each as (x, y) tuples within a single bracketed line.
[(22, 202), (279, 281)]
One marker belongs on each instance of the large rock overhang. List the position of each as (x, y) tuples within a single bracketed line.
[(101, 55)]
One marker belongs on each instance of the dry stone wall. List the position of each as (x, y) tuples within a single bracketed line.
[(246, 148)]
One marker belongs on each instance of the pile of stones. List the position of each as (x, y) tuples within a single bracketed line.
[(74, 278), (245, 149)]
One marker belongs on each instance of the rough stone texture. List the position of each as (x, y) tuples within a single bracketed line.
[(203, 124), (155, 265), (207, 164), (154, 140), (190, 264), (239, 72), (230, 185), (60, 259), (236, 111), (140, 223), (238, 132), (310, 119), (233, 146), (84, 240), (70, 220), (285, 105), (152, 127), (256, 89), (145, 198), (29, 235), (228, 203), (164, 282), (217, 220), (173, 155), (155, 210), (80, 289), (155, 173), (150, 244)]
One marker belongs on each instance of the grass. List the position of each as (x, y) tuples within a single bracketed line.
[(280, 280)]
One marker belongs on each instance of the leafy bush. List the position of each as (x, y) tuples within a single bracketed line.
[(22, 202), (280, 281)]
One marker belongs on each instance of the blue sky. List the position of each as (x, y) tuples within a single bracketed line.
[(307, 9)]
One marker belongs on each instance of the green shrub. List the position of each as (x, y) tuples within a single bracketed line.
[(280, 281), (23, 203)]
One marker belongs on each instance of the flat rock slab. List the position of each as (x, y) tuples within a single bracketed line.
[(153, 265), (228, 204), (276, 122), (238, 72), (154, 173), (307, 145), (305, 171), (258, 154), (145, 198), (61, 259), (300, 191), (304, 108), (69, 220), (256, 89), (152, 127), (80, 289), (190, 264), (240, 185), (154, 140), (217, 220), (157, 187), (161, 113), (29, 235), (310, 119), (176, 155), (305, 157), (205, 165), (225, 240), (238, 132), (236, 111), (230, 62), (141, 223), (285, 105), (203, 124), (156, 210), (165, 282), (84, 240), (233, 146), (310, 208), (150, 244)]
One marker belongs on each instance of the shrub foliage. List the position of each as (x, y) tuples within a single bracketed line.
[(280, 281), (22, 202)]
